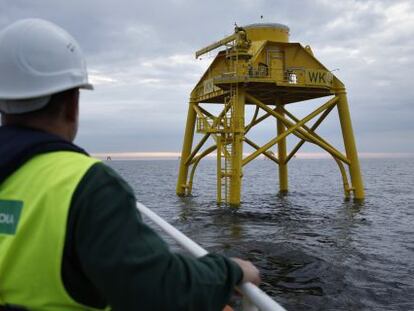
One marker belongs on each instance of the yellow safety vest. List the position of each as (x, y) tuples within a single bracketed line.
[(34, 206)]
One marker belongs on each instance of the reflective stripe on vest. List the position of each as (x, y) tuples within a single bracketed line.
[(34, 206)]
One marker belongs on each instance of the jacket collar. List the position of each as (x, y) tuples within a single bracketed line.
[(20, 144)]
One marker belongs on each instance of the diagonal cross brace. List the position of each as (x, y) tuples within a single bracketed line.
[(295, 129)]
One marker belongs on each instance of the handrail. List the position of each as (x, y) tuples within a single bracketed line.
[(254, 294)]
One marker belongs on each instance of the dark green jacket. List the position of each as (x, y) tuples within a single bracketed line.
[(111, 257)]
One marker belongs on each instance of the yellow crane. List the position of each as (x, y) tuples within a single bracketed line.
[(260, 67)]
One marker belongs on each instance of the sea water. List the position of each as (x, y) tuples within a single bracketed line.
[(315, 250)]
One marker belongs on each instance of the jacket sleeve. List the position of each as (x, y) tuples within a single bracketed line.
[(130, 265)]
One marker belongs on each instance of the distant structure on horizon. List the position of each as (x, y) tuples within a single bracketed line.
[(261, 68)]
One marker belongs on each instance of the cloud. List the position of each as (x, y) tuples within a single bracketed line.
[(141, 60)]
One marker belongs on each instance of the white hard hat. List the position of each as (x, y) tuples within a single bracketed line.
[(37, 60)]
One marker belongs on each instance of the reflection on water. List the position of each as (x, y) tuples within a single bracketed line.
[(316, 250)]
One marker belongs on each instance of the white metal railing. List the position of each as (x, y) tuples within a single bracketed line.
[(254, 297)]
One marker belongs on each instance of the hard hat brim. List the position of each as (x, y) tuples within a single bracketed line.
[(24, 105), (19, 106), (87, 86)]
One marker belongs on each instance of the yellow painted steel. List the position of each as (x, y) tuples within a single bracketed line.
[(350, 146), (281, 148), (237, 150), (261, 32), (259, 66), (219, 176), (215, 45), (188, 142)]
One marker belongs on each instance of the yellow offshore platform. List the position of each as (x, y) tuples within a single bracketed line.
[(260, 67)]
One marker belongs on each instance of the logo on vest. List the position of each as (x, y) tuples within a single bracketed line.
[(9, 216), (6, 219)]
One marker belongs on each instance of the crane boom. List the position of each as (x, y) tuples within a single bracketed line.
[(215, 45)]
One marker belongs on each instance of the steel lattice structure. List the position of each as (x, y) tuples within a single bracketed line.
[(260, 67)]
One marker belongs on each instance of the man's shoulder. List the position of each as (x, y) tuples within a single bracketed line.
[(102, 176), (101, 191), (102, 171)]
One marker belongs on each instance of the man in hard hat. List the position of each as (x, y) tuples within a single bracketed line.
[(70, 235)]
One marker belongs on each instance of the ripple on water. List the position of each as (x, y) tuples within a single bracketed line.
[(316, 251)]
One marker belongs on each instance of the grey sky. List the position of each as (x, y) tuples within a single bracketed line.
[(141, 57)]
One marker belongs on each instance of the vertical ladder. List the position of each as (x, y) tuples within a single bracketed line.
[(228, 168), (225, 151), (225, 170)]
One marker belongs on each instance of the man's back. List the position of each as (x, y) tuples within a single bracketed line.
[(79, 219), (37, 197)]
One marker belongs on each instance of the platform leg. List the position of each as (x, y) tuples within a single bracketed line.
[(350, 146), (186, 151), (237, 149), (283, 169), (219, 173)]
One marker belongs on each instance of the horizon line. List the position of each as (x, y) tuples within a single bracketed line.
[(300, 155)]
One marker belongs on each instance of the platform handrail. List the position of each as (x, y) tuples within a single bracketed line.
[(254, 294)]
